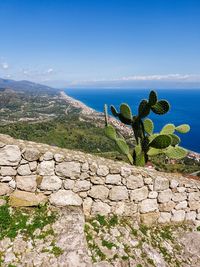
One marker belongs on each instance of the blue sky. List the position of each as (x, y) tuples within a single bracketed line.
[(108, 43)]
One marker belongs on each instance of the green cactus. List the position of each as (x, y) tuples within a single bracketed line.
[(148, 126), (148, 143)]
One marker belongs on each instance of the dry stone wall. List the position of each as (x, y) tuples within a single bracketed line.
[(31, 174)]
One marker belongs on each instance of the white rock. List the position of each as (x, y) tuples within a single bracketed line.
[(46, 168), (51, 183), (33, 165), (181, 205), (102, 170), (190, 216), (178, 216), (26, 183), (161, 183), (82, 186), (68, 169), (148, 205), (165, 217), (100, 208), (31, 154), (139, 194), (87, 205), (125, 172), (68, 184), (5, 179), (99, 192), (85, 167), (165, 196), (4, 189), (65, 198), (48, 155), (118, 193), (113, 179), (10, 155), (59, 157), (8, 171), (153, 194), (178, 197), (12, 184), (24, 170), (174, 183), (134, 182)]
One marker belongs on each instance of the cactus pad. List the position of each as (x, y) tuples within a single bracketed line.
[(175, 139), (148, 126), (183, 128), (110, 132), (154, 151), (152, 98), (114, 111), (176, 152), (161, 107), (168, 129), (143, 109), (126, 111), (161, 141)]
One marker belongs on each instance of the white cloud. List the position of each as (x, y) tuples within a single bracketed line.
[(165, 77), (4, 65), (50, 70)]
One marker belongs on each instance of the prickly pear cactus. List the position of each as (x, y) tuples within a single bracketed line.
[(148, 143)]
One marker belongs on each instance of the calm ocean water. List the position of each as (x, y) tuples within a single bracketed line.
[(185, 107)]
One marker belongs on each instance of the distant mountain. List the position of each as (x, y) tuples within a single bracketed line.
[(26, 86)]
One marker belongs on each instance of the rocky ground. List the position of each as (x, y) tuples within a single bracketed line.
[(47, 236)]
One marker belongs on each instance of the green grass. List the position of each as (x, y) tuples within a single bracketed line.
[(11, 223)]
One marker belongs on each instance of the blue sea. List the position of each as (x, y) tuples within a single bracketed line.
[(185, 107)]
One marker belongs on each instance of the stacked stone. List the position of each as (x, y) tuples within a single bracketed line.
[(30, 177)]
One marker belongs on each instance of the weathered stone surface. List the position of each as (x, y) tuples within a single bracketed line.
[(178, 215), (194, 205), (194, 196), (102, 170), (31, 154), (118, 193), (5, 178), (59, 157), (148, 205), (181, 205), (100, 208), (134, 182), (99, 192), (153, 194), (27, 183), (191, 243), (161, 184), (33, 165), (85, 167), (4, 189), (46, 168), (174, 184), (167, 206), (24, 170), (139, 194), (87, 205), (26, 199), (65, 198), (125, 172), (68, 184), (48, 155), (113, 179), (51, 183), (10, 155), (165, 196), (97, 180), (165, 217), (177, 197), (68, 169), (8, 171), (82, 186), (190, 216), (149, 218), (130, 209)]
